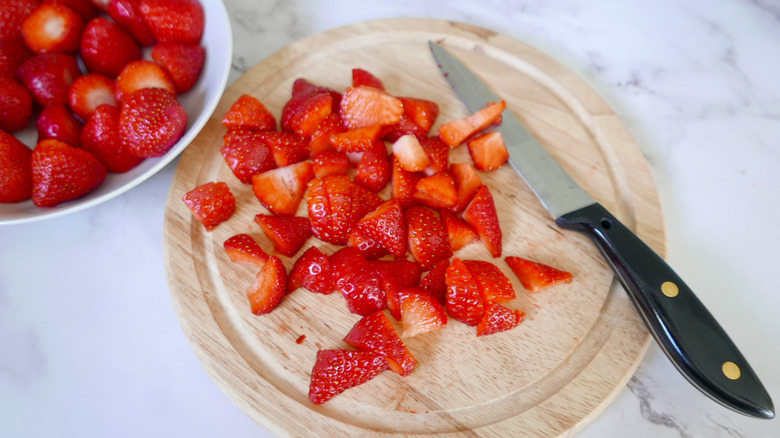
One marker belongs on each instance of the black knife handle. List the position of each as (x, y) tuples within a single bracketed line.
[(697, 345)]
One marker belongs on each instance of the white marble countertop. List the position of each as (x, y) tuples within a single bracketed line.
[(90, 344)]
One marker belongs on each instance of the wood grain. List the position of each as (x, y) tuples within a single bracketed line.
[(548, 377)]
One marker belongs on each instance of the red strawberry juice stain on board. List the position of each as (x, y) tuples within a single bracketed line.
[(300, 339)]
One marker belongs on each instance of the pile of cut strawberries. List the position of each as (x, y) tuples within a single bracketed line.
[(379, 187), (78, 69)]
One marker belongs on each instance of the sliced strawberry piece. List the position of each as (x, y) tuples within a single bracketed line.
[(320, 138), (281, 190), (269, 287), (288, 233), (52, 28), (364, 77), (482, 216), (62, 173), (498, 318), (434, 282), (370, 248), (49, 77), (457, 131), (488, 151), (421, 112), (89, 92), (182, 61), (16, 105), (463, 299), (179, 21), (493, 284), (151, 122), (356, 140), (535, 276), (286, 147), (335, 204), (335, 371), (12, 53), (437, 190), (375, 333), (311, 271), (141, 74), (212, 203), (373, 169), (244, 249), (421, 312), (387, 226), (438, 152), (428, 241), (84, 8), (396, 276), (100, 136), (357, 280), (365, 106), (58, 122), (410, 154), (302, 87), (404, 184), (12, 14), (106, 47), (467, 182), (246, 154), (330, 162), (303, 114), (248, 112), (459, 233), (126, 14), (15, 169)]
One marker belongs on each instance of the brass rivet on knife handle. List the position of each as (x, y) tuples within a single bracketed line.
[(731, 370), (670, 289)]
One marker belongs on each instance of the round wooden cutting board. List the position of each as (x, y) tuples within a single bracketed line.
[(549, 376)]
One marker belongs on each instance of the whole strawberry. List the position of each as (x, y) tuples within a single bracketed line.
[(63, 173), (15, 171), (15, 105), (100, 136), (49, 77), (182, 61), (106, 47), (127, 15), (12, 53), (174, 20), (151, 122)]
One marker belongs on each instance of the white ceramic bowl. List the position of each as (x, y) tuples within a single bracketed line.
[(199, 102)]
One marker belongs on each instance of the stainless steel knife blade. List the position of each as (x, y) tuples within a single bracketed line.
[(684, 329)]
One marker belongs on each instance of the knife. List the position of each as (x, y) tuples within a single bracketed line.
[(685, 330)]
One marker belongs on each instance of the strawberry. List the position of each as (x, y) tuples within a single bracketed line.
[(303, 114), (244, 249), (84, 8), (89, 92), (463, 299), (357, 281), (288, 233), (151, 122), (12, 14), (212, 203), (535, 276), (396, 276), (330, 162), (498, 318), (246, 154), (249, 113), (356, 140), (387, 226), (459, 233), (269, 287), (286, 147), (410, 154), (311, 271), (438, 153), (100, 136), (428, 241), (49, 77), (364, 77), (58, 122), (126, 14), (106, 48), (302, 87), (142, 74), (101, 4), (335, 371), (368, 247), (434, 281), (62, 173), (182, 61), (404, 184), (457, 131), (281, 190), (52, 28), (320, 138), (421, 112), (373, 169), (12, 53), (488, 151), (437, 190), (493, 284), (482, 216), (363, 106), (467, 183), (335, 204), (375, 333), (15, 169), (421, 312), (16, 105), (179, 21)]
